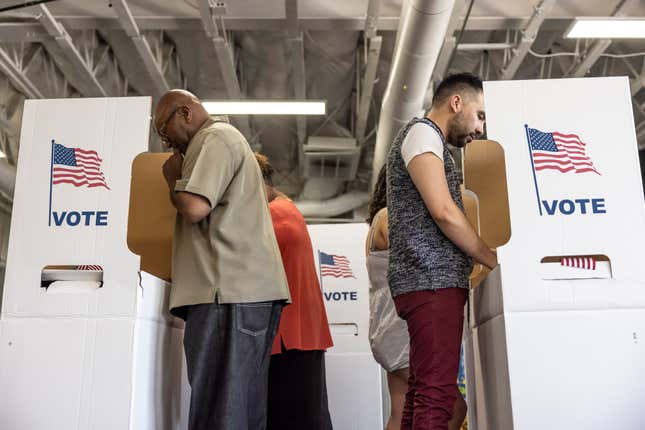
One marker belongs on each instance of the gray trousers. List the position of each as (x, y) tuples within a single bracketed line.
[(227, 353)]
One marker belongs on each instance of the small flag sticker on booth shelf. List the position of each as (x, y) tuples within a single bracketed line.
[(579, 262), (334, 265), (558, 151), (76, 166), (88, 267)]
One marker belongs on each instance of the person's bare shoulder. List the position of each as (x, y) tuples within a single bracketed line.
[(381, 241)]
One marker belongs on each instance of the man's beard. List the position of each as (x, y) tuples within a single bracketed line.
[(458, 133)]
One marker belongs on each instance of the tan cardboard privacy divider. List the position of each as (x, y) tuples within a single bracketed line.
[(485, 175), (485, 178), (471, 209), (152, 217)]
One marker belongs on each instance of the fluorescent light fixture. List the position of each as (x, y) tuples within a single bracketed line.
[(606, 28), (265, 107)]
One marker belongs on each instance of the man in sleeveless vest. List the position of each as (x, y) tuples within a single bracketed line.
[(432, 245)]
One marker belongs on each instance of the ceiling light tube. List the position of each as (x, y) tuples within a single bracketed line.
[(265, 107), (606, 28)]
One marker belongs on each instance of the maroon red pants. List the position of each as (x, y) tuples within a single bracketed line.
[(435, 323)]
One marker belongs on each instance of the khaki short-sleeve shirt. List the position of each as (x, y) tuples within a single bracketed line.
[(232, 253)]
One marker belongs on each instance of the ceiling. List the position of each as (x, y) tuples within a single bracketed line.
[(283, 49)]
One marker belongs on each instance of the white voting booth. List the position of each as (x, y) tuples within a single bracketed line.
[(354, 381), (556, 336), (86, 340), (84, 349)]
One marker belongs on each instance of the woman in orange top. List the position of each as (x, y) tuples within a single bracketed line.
[(297, 387)]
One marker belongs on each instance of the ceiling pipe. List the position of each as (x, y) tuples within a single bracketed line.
[(422, 31)]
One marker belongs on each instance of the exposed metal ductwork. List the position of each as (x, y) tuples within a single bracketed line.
[(421, 34)]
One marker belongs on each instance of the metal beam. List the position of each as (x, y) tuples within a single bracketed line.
[(374, 44), (222, 50), (291, 16), (7, 178), (635, 85), (227, 68), (369, 79), (586, 62), (449, 43), (15, 72), (528, 36), (89, 84), (640, 130), (207, 19), (225, 61), (151, 65), (592, 55), (372, 17), (8, 109), (297, 56), (33, 32), (638, 81), (7, 126)]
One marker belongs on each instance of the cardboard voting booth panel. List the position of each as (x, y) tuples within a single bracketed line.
[(86, 340), (152, 218), (555, 331)]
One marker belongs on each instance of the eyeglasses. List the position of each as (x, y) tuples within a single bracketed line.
[(161, 131)]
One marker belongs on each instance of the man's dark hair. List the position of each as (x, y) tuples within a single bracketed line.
[(459, 83)]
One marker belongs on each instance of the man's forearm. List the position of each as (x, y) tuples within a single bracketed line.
[(456, 227), (191, 206), (428, 174), (171, 192)]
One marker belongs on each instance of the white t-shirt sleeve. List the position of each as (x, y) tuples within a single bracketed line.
[(421, 138)]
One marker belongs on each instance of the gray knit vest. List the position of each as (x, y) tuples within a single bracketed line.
[(421, 256)]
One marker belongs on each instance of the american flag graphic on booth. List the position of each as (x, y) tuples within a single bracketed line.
[(337, 266), (89, 267), (579, 262), (559, 151), (76, 166)]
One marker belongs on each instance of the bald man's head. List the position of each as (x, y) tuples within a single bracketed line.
[(178, 116)]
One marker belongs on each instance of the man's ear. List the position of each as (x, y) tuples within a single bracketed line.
[(187, 113), (456, 103)]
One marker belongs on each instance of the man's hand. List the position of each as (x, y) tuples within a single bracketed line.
[(172, 169)]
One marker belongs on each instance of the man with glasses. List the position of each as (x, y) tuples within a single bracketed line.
[(228, 279)]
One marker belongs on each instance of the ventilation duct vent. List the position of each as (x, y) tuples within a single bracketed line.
[(331, 157)]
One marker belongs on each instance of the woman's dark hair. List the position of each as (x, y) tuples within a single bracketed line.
[(265, 167), (379, 196)]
